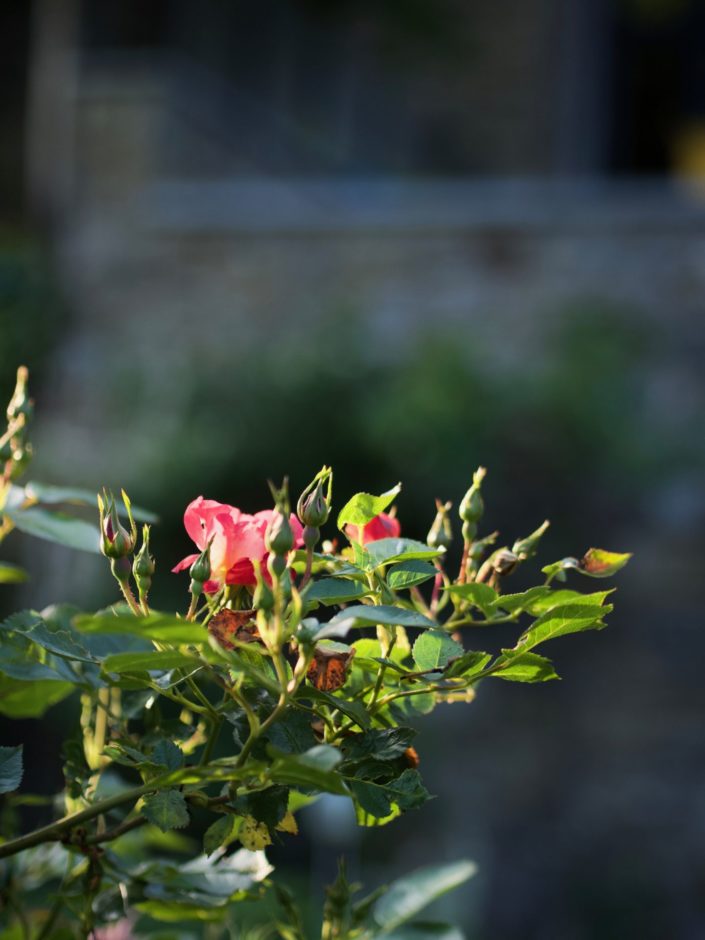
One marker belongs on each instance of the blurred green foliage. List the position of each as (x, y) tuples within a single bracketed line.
[(32, 313)]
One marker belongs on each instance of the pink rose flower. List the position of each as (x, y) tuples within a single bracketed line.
[(382, 526), (238, 541)]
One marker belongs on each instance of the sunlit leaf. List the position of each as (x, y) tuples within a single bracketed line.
[(406, 574), (526, 667), (434, 649), (560, 621), (363, 507)]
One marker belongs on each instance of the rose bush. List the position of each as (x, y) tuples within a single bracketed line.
[(296, 668)]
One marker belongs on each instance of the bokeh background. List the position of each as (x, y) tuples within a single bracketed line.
[(241, 238)]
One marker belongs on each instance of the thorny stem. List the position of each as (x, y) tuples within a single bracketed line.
[(130, 598)]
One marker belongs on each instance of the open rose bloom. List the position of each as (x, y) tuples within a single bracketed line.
[(237, 541), (382, 526)]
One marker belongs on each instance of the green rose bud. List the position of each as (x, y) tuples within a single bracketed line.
[(279, 539), (440, 535), (472, 505), (525, 548)]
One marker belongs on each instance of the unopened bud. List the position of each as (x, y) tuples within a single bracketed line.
[(472, 505), (279, 539), (525, 548), (115, 541), (143, 567), (200, 570), (440, 535), (313, 508)]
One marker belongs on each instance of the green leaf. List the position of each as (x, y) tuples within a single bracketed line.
[(527, 667), (334, 591), (363, 615), (382, 744), (514, 603), (386, 551), (11, 769), (409, 573), (148, 661), (363, 507), (480, 595), (552, 599), (468, 664), (377, 798), (166, 810), (58, 639), (314, 768), (167, 754), (20, 699), (163, 627), (356, 711), (434, 649), (53, 495), (12, 574), (292, 733), (217, 834), (560, 621), (409, 895), (56, 527), (20, 658)]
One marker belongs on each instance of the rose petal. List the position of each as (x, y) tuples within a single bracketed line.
[(184, 563)]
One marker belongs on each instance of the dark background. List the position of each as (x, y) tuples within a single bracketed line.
[(243, 239)]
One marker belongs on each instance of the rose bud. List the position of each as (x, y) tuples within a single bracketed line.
[(440, 534), (525, 548), (200, 570), (116, 541), (279, 539), (313, 510), (472, 505), (143, 567)]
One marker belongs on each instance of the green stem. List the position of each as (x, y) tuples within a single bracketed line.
[(56, 830), (469, 622), (211, 742), (130, 598), (309, 567)]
